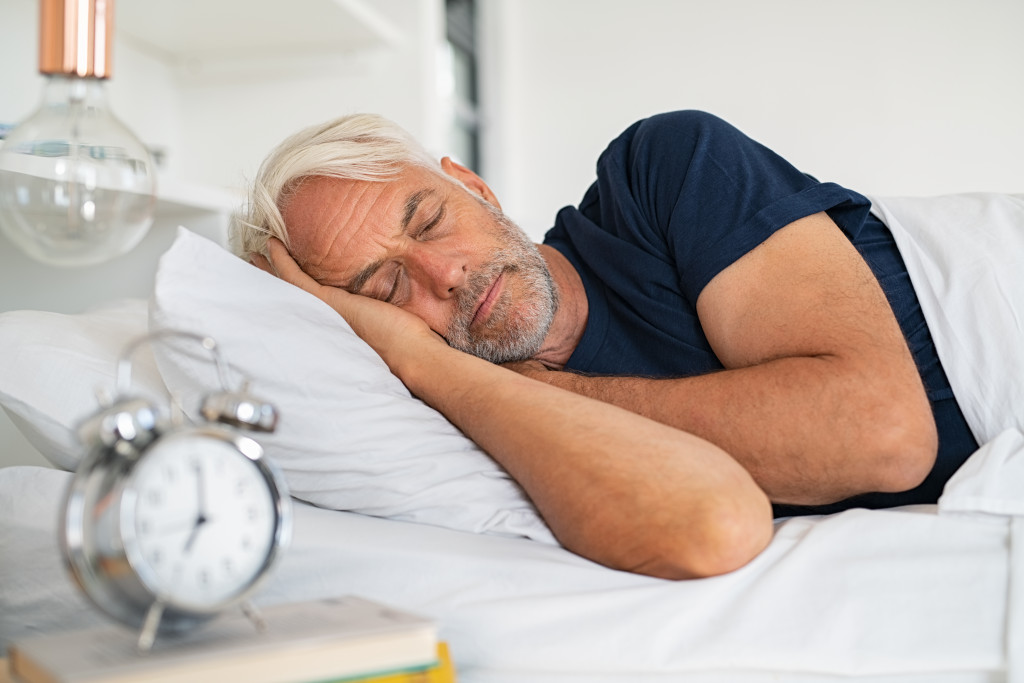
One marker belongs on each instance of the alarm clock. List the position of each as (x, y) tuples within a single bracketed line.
[(166, 524)]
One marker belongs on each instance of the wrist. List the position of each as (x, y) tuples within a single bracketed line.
[(430, 368)]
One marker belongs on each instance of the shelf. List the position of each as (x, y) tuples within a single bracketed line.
[(194, 34), (177, 197)]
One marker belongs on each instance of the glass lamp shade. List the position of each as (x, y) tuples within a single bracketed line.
[(76, 186)]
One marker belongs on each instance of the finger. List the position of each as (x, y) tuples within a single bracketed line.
[(261, 262), (287, 269)]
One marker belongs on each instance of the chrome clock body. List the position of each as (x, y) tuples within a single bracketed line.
[(166, 525)]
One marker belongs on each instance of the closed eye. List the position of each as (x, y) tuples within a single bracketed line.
[(421, 234), (394, 287), (433, 222)]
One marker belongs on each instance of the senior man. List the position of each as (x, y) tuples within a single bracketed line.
[(706, 305)]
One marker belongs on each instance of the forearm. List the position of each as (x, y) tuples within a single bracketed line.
[(809, 430), (614, 486)]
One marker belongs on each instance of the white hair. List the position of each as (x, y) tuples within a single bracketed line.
[(356, 147)]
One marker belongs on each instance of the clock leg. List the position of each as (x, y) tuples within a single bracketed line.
[(149, 627), (250, 610)]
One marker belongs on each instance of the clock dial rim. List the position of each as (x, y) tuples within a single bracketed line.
[(176, 445)]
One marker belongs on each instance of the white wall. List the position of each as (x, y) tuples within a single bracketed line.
[(398, 81), (897, 97)]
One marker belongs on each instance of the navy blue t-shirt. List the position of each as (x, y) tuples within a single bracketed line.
[(678, 198)]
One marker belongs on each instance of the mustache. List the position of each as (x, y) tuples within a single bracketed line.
[(468, 297), (523, 313)]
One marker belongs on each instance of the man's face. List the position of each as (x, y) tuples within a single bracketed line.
[(433, 248)]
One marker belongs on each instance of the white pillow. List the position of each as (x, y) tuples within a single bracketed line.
[(350, 437), (54, 364)]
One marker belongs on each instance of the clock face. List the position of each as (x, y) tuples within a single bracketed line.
[(199, 521)]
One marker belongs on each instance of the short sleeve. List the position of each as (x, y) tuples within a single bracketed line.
[(698, 191), (678, 198)]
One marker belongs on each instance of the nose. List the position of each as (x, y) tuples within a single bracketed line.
[(441, 270)]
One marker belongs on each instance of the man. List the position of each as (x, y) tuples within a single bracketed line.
[(718, 300)]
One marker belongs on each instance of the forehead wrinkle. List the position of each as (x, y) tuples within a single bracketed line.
[(304, 214), (323, 225), (360, 279), (350, 202), (412, 205), (340, 214), (338, 228)]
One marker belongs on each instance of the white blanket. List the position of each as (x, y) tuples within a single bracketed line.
[(965, 256)]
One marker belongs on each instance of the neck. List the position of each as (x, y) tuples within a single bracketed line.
[(571, 317)]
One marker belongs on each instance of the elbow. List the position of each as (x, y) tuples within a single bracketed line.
[(725, 536), (904, 449)]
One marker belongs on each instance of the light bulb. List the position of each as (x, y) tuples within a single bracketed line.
[(76, 186)]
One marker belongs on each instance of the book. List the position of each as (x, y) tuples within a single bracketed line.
[(338, 639), (444, 672)]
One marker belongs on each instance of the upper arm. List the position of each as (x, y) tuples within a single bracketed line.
[(805, 291)]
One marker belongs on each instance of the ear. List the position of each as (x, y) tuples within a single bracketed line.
[(470, 179)]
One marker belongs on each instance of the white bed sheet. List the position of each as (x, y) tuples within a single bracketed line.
[(930, 593), (965, 255)]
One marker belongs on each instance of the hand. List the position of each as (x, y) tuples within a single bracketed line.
[(396, 335)]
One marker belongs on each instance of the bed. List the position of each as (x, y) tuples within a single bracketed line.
[(394, 504)]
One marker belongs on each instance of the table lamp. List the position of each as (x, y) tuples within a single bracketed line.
[(77, 187)]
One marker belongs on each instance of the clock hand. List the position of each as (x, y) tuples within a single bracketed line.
[(200, 521), (200, 503), (200, 488)]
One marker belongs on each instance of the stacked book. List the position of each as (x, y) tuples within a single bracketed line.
[(345, 639)]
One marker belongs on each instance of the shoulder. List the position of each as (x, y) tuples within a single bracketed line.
[(676, 129), (670, 142), (685, 121)]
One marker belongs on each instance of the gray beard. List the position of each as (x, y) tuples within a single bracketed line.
[(515, 329)]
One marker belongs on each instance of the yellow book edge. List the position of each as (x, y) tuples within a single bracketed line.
[(442, 672)]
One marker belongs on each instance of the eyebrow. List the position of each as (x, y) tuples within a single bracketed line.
[(412, 205)]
